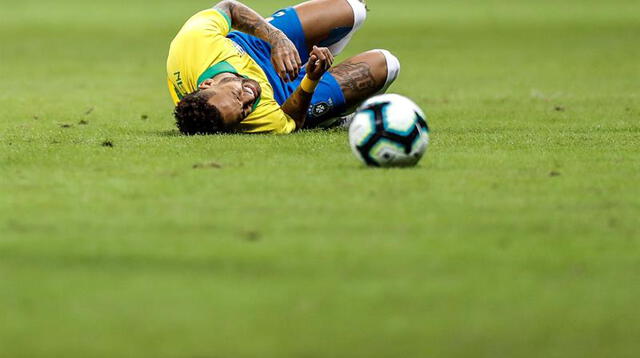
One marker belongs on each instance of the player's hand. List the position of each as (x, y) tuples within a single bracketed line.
[(284, 56), (320, 61)]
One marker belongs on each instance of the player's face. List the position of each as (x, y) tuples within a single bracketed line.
[(233, 96)]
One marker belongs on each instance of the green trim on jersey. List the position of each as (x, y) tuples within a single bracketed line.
[(218, 68), (223, 67), (226, 17), (178, 93)]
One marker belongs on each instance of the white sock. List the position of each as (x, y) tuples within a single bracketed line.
[(393, 69), (359, 15)]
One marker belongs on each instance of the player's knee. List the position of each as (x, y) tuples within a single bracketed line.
[(393, 67), (359, 13), (340, 36)]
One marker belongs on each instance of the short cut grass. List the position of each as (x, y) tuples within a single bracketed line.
[(516, 235)]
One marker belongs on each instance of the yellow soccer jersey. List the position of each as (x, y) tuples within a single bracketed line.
[(201, 50)]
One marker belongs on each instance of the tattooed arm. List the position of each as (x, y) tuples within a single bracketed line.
[(296, 106), (320, 60), (284, 55)]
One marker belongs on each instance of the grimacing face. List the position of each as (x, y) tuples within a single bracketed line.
[(234, 96)]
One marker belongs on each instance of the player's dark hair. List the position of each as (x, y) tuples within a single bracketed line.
[(194, 115)]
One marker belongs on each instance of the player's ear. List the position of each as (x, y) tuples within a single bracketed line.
[(208, 83)]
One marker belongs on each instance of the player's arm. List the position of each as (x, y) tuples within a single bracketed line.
[(284, 55), (320, 60)]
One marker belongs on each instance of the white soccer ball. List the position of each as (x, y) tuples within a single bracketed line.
[(389, 130)]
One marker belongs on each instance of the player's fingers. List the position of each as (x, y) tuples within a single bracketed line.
[(326, 64), (280, 69), (289, 69), (312, 61), (292, 54), (329, 56), (326, 53), (294, 58), (295, 66), (298, 60), (315, 50)]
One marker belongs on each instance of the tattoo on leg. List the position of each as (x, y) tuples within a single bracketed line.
[(355, 79)]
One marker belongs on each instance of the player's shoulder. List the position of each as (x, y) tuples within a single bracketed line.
[(208, 19)]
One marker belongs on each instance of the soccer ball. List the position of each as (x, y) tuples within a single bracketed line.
[(389, 130)]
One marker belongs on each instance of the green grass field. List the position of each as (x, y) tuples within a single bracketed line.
[(517, 235)]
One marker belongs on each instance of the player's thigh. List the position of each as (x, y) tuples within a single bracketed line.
[(288, 21), (361, 76), (320, 17)]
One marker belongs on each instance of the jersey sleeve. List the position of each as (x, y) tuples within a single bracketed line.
[(210, 22), (288, 124)]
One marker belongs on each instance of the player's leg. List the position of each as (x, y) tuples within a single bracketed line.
[(365, 75), (351, 82), (331, 23), (324, 23)]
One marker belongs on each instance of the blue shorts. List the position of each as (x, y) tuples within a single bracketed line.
[(328, 100)]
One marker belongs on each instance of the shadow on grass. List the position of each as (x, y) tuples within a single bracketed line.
[(165, 133), (176, 133)]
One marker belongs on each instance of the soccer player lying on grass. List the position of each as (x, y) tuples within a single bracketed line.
[(253, 80)]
